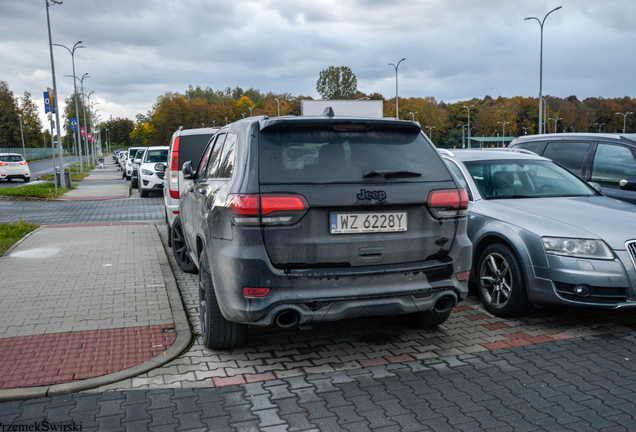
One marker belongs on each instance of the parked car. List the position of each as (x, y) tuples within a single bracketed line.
[(152, 171), (542, 236), (297, 220), (607, 159), (121, 159), (185, 145), (134, 177), (132, 152), (13, 166)]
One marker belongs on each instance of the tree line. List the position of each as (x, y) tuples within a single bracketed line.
[(206, 107)]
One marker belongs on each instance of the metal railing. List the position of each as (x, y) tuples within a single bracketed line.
[(31, 153)]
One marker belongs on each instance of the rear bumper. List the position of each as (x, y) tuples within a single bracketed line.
[(319, 297)]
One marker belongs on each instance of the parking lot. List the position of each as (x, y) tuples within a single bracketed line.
[(555, 369)]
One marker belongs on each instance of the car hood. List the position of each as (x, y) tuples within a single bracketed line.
[(579, 217)]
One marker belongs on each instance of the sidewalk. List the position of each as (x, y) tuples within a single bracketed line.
[(101, 184), (85, 305)]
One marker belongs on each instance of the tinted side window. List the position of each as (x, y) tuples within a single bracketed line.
[(613, 163), (535, 147), (569, 154), (204, 159), (191, 148), (226, 164), (213, 163)]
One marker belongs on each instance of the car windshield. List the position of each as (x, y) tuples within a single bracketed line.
[(156, 156), (313, 155), (525, 179), (11, 158)]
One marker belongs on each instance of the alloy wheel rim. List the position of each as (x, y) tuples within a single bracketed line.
[(495, 279), (179, 246)]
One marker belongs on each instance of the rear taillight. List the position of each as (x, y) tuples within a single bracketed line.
[(3, 164), (255, 292), (173, 179), (23, 163), (267, 209), (448, 203)]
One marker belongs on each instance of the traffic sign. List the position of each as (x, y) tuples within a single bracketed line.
[(48, 107), (73, 123)]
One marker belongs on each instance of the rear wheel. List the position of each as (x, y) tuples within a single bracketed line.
[(143, 193), (425, 319), (27, 179), (216, 331), (181, 254), (501, 285), (169, 230)]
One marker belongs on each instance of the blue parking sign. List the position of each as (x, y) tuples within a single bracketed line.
[(73, 123), (47, 104)]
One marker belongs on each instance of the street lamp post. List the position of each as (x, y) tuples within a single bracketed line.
[(413, 114), (503, 131), (463, 126), (600, 126), (72, 51), (396, 86), (624, 118), (22, 134), (430, 131), (468, 108), (555, 120), (226, 121), (78, 122), (541, 22), (250, 111), (55, 99), (525, 130), (277, 105)]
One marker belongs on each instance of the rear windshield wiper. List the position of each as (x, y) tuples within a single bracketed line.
[(391, 174)]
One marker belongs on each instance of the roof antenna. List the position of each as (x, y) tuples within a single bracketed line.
[(328, 112)]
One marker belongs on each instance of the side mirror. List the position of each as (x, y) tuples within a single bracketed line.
[(595, 186), (137, 161), (187, 171), (629, 185), (160, 167)]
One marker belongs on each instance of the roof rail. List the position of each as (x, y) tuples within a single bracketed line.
[(524, 151)]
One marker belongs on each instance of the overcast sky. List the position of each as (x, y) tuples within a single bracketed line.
[(455, 50)]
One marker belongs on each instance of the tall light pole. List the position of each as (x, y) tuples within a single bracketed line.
[(525, 130), (541, 22), (413, 114), (278, 105), (86, 75), (57, 96), (22, 134), (463, 126), (396, 66), (88, 149), (72, 51), (250, 111), (503, 130), (600, 126), (430, 131), (555, 120), (624, 118), (468, 108)]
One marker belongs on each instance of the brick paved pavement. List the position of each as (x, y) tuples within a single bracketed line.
[(101, 184), (80, 302), (583, 384)]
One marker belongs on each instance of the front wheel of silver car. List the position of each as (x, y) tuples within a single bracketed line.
[(501, 285), (216, 331)]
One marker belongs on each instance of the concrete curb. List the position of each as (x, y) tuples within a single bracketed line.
[(182, 327), (14, 245)]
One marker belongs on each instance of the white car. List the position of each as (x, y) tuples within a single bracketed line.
[(132, 154), (151, 178), (13, 166)]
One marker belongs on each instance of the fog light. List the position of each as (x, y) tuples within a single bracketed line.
[(582, 290), (463, 276), (255, 292)]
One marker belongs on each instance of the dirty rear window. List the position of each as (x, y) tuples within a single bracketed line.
[(325, 156)]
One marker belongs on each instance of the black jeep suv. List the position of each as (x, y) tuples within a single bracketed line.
[(296, 220)]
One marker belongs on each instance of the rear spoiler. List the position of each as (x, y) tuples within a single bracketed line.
[(340, 124)]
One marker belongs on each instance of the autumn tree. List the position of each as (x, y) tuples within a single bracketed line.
[(32, 126), (169, 113), (9, 120), (337, 83)]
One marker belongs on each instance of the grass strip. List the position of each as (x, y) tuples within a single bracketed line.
[(44, 190), (10, 233)]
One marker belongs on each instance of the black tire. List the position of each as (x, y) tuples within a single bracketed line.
[(181, 254), (123, 175), (169, 230), (500, 282), (216, 331), (426, 319), (27, 179), (143, 193)]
